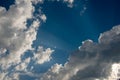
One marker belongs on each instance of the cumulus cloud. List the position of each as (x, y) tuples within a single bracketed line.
[(23, 65), (12, 24), (115, 72), (42, 56), (16, 38), (93, 61)]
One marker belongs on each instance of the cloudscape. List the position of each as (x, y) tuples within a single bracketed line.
[(59, 40)]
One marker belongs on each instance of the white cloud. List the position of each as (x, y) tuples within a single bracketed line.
[(16, 37), (53, 73), (23, 65), (70, 2), (2, 75), (43, 17), (2, 51), (12, 34), (115, 72), (37, 1), (42, 56), (93, 61), (56, 68)]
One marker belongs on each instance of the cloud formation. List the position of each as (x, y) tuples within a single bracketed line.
[(93, 61), (16, 38), (13, 36), (42, 56)]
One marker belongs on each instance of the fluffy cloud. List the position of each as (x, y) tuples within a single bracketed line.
[(42, 56), (16, 38), (22, 68), (13, 23), (23, 65), (115, 72), (93, 61)]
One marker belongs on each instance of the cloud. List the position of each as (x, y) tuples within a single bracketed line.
[(43, 17), (70, 3), (115, 72), (23, 65), (37, 1), (93, 61), (42, 56), (16, 38)]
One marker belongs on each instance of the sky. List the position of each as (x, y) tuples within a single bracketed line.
[(59, 39)]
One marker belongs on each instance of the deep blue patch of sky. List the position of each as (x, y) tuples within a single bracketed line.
[(65, 29), (6, 3), (67, 25)]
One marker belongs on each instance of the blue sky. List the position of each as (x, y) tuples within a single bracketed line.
[(63, 31), (66, 23), (65, 28)]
